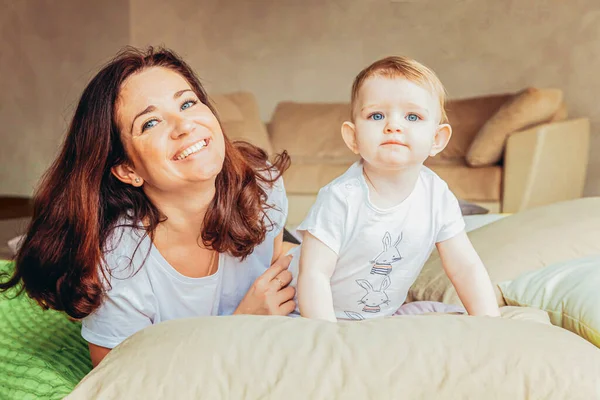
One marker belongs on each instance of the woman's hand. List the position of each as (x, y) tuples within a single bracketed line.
[(270, 293)]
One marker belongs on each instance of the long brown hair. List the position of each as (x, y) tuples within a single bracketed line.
[(79, 202)]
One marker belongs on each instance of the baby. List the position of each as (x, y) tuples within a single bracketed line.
[(370, 231)]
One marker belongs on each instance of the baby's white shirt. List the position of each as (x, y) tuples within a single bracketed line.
[(380, 251)]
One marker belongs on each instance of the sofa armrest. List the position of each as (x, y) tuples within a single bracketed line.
[(545, 164)]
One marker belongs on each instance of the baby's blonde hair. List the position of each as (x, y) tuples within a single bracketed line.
[(404, 67)]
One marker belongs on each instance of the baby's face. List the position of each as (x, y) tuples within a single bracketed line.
[(396, 121)]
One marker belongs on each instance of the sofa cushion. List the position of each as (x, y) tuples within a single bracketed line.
[(299, 205), (474, 184), (302, 178), (528, 107), (526, 241), (311, 132), (240, 118), (408, 357), (467, 116), (226, 108), (303, 181)]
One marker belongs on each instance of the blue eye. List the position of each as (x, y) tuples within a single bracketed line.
[(150, 124), (376, 116), (412, 117), (188, 104)]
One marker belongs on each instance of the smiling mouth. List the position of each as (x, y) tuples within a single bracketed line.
[(193, 149)]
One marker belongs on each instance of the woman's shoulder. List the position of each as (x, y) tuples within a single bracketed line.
[(276, 188)]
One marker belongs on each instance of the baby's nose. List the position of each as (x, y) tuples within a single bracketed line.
[(393, 128)]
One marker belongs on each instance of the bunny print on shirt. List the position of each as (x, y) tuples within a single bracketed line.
[(382, 264), (374, 298)]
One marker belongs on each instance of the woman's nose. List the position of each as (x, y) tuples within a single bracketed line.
[(183, 126)]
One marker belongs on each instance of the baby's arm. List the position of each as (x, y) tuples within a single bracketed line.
[(468, 275), (317, 263)]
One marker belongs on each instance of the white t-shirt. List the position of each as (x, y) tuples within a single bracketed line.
[(157, 292), (380, 251)]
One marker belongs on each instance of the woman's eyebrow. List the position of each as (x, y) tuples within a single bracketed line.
[(179, 93), (148, 109)]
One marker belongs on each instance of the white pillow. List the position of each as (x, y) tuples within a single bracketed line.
[(14, 244), (569, 291)]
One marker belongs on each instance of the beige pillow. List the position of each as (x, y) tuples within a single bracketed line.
[(467, 116), (240, 119), (522, 242), (228, 111), (411, 357), (560, 115), (529, 107)]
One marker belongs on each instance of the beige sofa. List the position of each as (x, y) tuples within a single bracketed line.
[(509, 152)]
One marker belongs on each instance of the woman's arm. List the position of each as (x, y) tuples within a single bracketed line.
[(97, 353), (468, 275), (281, 248), (317, 263), (277, 247)]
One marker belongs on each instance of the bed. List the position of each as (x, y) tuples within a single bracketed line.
[(529, 353)]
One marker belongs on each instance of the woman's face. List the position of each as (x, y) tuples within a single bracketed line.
[(172, 139)]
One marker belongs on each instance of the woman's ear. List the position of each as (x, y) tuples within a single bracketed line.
[(349, 136), (127, 175), (441, 139)]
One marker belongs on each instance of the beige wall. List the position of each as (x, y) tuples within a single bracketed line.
[(48, 51), (310, 50)]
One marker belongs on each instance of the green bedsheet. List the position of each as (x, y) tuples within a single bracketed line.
[(42, 354)]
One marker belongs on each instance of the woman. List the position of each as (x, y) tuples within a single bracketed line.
[(150, 213)]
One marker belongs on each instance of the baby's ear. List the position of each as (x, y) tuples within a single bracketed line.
[(441, 139), (349, 136)]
